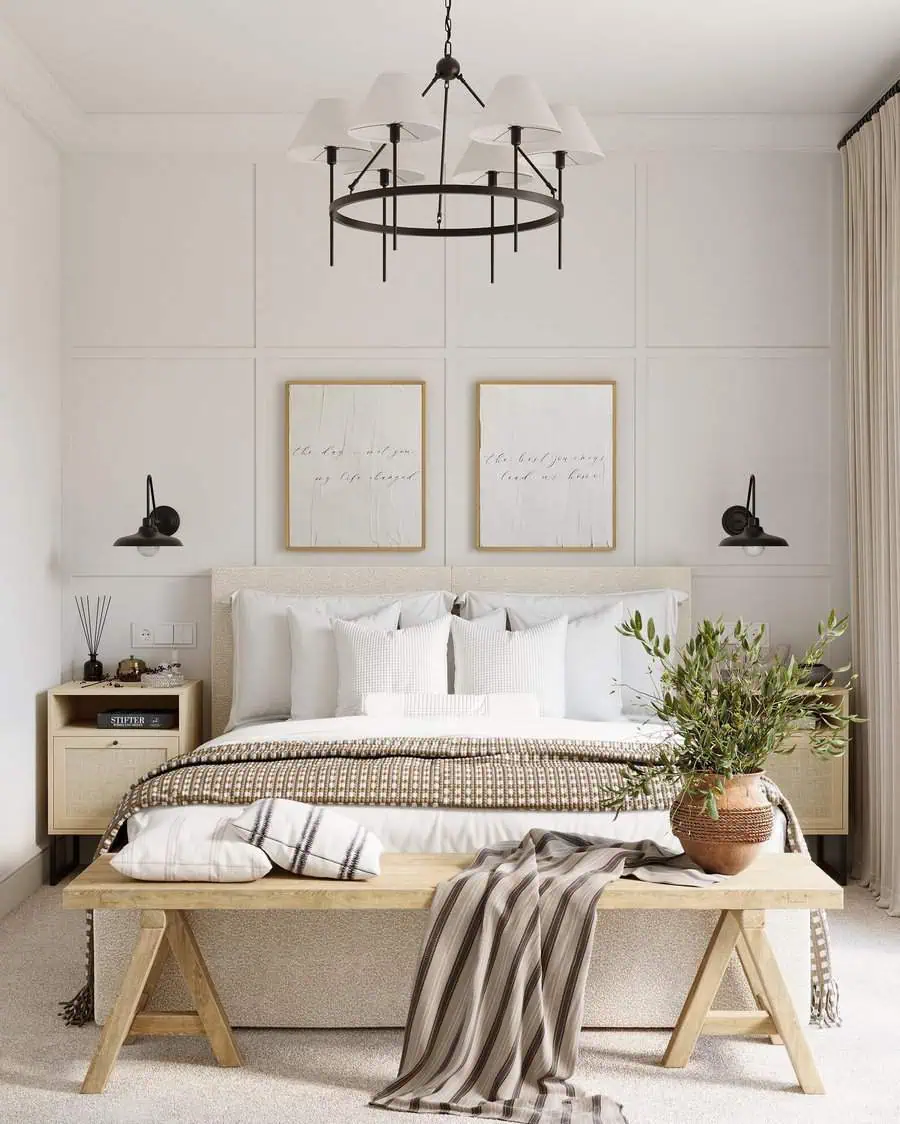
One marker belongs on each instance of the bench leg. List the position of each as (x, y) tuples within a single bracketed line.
[(743, 930), (118, 1025), (162, 930)]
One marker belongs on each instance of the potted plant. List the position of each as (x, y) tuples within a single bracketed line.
[(729, 708)]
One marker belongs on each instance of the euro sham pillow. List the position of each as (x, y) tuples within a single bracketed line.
[(314, 674), (639, 672), (593, 662), (531, 661), (311, 840), (261, 674), (184, 850), (405, 661), (451, 706)]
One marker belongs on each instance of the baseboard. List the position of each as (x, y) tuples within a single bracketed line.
[(22, 883)]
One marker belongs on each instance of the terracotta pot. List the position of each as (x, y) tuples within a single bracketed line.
[(730, 843)]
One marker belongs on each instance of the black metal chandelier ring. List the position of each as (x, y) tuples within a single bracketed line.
[(554, 206)]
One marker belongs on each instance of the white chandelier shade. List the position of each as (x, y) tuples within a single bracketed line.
[(516, 100), (480, 159), (576, 140), (324, 127), (407, 169), (394, 99)]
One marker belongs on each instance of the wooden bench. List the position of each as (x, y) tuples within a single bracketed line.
[(408, 882)]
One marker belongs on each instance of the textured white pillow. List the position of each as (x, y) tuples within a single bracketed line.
[(314, 659), (531, 662), (405, 661), (261, 678), (308, 839), (638, 671), (593, 662), (451, 706), (185, 850)]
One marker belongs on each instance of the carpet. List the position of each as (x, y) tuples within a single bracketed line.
[(319, 1076)]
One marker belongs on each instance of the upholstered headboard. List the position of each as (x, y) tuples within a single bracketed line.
[(397, 579)]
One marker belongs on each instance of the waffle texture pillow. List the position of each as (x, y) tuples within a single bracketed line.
[(404, 661), (530, 662), (311, 840), (185, 849)]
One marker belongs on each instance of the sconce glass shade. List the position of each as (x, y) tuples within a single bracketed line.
[(576, 140), (479, 159), (324, 127), (516, 100), (394, 99)]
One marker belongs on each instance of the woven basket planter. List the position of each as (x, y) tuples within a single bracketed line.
[(729, 844)]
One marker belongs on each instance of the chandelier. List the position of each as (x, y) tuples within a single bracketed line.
[(517, 138)]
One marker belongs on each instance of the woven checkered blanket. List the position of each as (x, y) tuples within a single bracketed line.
[(447, 771)]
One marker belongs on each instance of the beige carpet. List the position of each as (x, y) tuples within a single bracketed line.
[(314, 1077)]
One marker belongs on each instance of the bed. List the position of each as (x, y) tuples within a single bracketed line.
[(346, 969)]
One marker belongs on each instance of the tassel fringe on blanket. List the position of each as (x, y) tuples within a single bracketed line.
[(449, 771)]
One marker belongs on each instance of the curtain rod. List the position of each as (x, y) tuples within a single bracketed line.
[(870, 113)]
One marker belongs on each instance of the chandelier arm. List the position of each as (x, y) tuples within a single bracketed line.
[(469, 88), (366, 167), (383, 179), (549, 186), (492, 182), (559, 244), (440, 206), (430, 84)]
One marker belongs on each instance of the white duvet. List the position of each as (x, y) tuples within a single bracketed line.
[(457, 829)]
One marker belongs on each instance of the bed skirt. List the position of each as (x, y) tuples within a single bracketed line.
[(349, 968)]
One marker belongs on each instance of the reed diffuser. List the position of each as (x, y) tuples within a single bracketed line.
[(93, 621)]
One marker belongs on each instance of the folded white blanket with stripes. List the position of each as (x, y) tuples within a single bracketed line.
[(497, 1004)]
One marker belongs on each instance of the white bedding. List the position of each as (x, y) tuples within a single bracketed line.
[(459, 829)]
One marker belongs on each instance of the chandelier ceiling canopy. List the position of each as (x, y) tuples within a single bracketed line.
[(516, 139)]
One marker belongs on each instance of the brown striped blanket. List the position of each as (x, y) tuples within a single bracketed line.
[(497, 1004), (440, 770)]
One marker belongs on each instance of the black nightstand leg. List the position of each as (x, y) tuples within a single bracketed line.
[(59, 867)]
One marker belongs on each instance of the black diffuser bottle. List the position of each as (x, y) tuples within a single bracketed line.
[(93, 620)]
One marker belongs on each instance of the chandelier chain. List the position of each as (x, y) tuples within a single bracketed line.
[(448, 28)]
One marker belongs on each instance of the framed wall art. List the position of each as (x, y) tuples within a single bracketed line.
[(355, 465), (546, 468)]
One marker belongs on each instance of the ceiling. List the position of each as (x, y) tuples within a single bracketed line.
[(610, 56)]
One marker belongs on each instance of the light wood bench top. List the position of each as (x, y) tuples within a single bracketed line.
[(408, 881)]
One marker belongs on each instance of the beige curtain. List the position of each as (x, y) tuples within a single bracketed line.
[(871, 161)]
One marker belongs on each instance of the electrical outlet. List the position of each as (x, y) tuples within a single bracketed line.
[(141, 636), (165, 634)]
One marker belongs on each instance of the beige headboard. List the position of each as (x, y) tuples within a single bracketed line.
[(397, 579)]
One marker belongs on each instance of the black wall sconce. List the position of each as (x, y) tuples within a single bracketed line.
[(743, 529), (157, 528)]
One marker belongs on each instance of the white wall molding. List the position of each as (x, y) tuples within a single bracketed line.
[(30, 87), (22, 882)]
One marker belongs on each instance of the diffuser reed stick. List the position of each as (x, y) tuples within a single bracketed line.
[(93, 621)]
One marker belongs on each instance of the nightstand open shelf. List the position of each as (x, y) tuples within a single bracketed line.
[(90, 768)]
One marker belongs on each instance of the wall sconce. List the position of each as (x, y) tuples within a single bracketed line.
[(744, 529), (157, 529)]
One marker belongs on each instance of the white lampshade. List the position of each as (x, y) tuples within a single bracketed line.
[(479, 159), (394, 99), (325, 126), (516, 100), (576, 140), (407, 170)]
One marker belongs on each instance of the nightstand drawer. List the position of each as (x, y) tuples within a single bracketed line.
[(89, 775)]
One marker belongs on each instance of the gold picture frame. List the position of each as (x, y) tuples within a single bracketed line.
[(607, 385), (362, 384)]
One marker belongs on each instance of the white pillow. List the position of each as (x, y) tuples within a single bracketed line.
[(261, 680), (451, 706), (314, 659), (308, 839), (593, 662), (531, 662), (638, 670), (408, 660), (185, 849)]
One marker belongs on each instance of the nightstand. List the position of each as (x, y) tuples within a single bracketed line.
[(818, 788), (89, 769)]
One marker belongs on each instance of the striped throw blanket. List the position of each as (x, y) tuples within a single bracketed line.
[(497, 1005), (424, 771)]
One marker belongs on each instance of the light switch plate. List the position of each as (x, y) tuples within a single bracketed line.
[(164, 634)]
